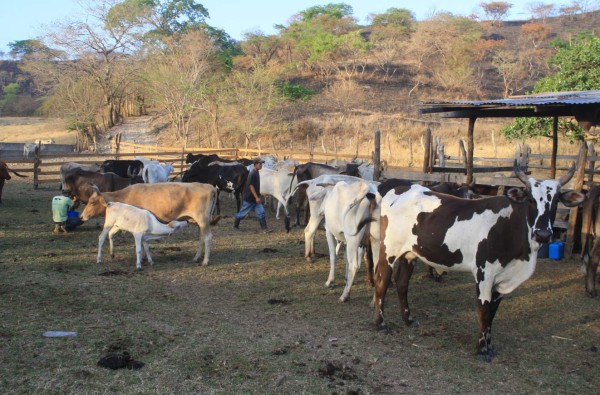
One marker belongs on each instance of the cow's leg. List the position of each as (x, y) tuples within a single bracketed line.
[(101, 240), (309, 237), (238, 199), (383, 275), (332, 257), (218, 208), (206, 238), (402, 278), (354, 254), (487, 306), (138, 250), (113, 231), (147, 251), (592, 268)]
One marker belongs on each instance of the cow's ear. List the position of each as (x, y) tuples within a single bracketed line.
[(517, 195), (571, 198)]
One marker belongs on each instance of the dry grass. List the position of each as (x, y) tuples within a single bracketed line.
[(27, 129), (213, 329)]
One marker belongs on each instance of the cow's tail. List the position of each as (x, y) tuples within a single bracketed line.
[(145, 174), (15, 173), (214, 219), (291, 193)]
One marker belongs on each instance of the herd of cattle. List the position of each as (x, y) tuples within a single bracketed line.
[(391, 224)]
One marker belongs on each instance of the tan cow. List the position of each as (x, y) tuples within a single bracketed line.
[(168, 201)]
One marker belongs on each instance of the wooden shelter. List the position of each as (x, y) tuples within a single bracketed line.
[(583, 106)]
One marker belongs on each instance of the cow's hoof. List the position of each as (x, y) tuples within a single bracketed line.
[(343, 299), (99, 262), (384, 329), (484, 358), (330, 284), (204, 264), (592, 294), (413, 324)]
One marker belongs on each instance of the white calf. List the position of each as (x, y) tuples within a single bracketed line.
[(155, 172), (141, 223)]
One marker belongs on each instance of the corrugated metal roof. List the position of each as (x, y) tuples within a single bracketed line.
[(541, 99)]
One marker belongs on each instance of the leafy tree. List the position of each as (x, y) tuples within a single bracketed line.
[(333, 10), (495, 10), (315, 37), (295, 92), (260, 47), (22, 48), (577, 67)]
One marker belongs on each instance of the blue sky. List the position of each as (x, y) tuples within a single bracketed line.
[(23, 19)]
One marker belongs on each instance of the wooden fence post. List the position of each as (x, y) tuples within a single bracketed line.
[(591, 165), (427, 151), (36, 171), (377, 156), (182, 158)]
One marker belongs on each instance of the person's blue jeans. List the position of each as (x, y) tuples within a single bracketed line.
[(249, 206)]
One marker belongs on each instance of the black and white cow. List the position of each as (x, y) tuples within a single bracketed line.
[(122, 167), (230, 178), (495, 239), (206, 159)]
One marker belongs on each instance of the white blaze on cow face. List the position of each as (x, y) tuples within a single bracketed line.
[(543, 194)]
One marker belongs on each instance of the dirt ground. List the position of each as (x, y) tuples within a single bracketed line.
[(259, 320)]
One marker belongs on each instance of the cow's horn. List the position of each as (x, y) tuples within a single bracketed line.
[(521, 176), (564, 179)]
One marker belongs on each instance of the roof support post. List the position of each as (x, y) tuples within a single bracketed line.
[(577, 186), (554, 147), (470, 149)]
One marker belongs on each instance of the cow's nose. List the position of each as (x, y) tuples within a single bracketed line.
[(542, 235)]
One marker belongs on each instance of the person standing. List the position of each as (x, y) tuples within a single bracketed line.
[(251, 198)]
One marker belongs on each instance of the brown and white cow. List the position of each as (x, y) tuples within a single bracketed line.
[(168, 201), (590, 239), (4, 176), (494, 239)]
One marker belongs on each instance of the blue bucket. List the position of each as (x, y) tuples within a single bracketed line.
[(72, 214), (556, 250)]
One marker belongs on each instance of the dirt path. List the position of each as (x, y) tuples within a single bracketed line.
[(133, 130)]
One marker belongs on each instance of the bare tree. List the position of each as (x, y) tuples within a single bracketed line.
[(179, 78), (102, 43), (345, 95), (541, 11), (495, 10)]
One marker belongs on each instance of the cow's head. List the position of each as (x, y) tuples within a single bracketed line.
[(95, 206), (543, 197)]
